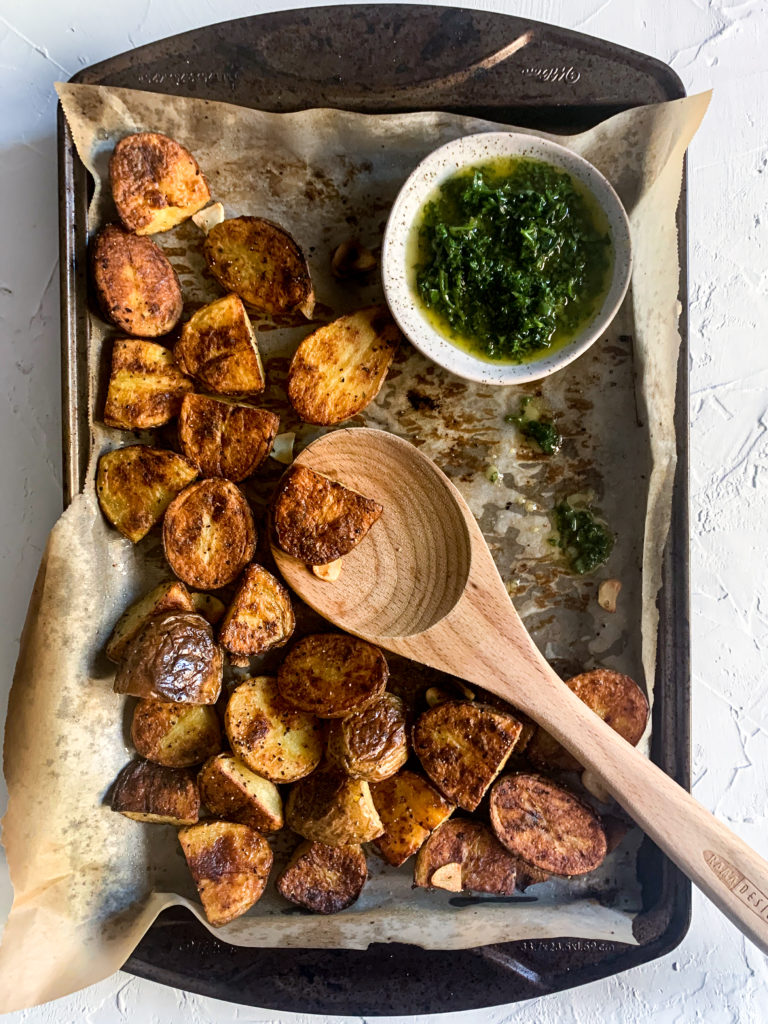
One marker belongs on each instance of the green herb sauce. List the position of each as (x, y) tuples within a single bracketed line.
[(585, 542), (536, 427), (511, 258)]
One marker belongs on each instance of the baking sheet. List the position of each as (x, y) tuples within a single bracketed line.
[(94, 880)]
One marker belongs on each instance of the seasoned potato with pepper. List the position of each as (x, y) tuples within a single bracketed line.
[(371, 744), (225, 439), (329, 807), (218, 348), (325, 879), (165, 597), (231, 790), (409, 808), (145, 387), (260, 616), (462, 854), (332, 675), (151, 792), (176, 735)]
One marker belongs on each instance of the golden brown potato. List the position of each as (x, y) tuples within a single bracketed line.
[(329, 807), (462, 854), (208, 534), (218, 347), (463, 746), (338, 369), (329, 572), (224, 439), (210, 607), (332, 675), (261, 263), (174, 658), (352, 260), (151, 792), (165, 597), (135, 486), (145, 387), (325, 879), (371, 744), (230, 864), (260, 616), (528, 876), (137, 288), (409, 808), (176, 735), (317, 520), (545, 825), (231, 790), (156, 182), (271, 738)]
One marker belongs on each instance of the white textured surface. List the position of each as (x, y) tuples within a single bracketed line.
[(713, 976)]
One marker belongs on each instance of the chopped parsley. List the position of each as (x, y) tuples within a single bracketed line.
[(536, 427), (585, 542)]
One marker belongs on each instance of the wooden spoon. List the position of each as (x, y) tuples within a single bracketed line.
[(423, 584)]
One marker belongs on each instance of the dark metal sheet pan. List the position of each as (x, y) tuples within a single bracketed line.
[(385, 59)]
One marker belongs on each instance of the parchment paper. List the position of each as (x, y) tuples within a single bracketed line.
[(89, 882)]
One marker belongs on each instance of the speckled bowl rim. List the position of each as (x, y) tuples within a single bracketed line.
[(435, 169)]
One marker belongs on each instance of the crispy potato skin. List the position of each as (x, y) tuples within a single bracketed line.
[(230, 865), (208, 534), (260, 616), (485, 865), (329, 807), (545, 825), (338, 369), (324, 879), (463, 746), (175, 735), (409, 808), (218, 348), (165, 597), (318, 520), (151, 792), (261, 263), (174, 658), (156, 182), (373, 743), (137, 288), (223, 439), (135, 485), (230, 790), (332, 675), (145, 387)]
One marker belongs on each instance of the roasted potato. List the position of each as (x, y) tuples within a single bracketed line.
[(135, 486), (545, 825), (156, 182), (174, 658), (176, 735), (330, 571), (218, 348), (209, 606), (338, 369), (462, 854), (332, 675), (261, 263), (224, 439), (316, 519), (151, 792), (409, 808), (352, 260), (231, 790), (371, 744), (463, 746), (260, 616), (325, 879), (230, 864), (329, 807), (145, 387), (137, 288), (528, 876), (271, 738), (208, 534), (165, 597)]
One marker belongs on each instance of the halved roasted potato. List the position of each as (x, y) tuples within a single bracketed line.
[(325, 879), (545, 825), (316, 519), (156, 182), (136, 286), (174, 658), (528, 876), (229, 789), (209, 606), (260, 616), (409, 808), (135, 486), (271, 738), (462, 854), (261, 263), (208, 534), (145, 387), (151, 792), (218, 347), (463, 746), (373, 743), (225, 439), (176, 735), (230, 864), (338, 369), (332, 675), (165, 597), (329, 807)]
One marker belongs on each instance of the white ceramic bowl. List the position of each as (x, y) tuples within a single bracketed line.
[(397, 273)]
